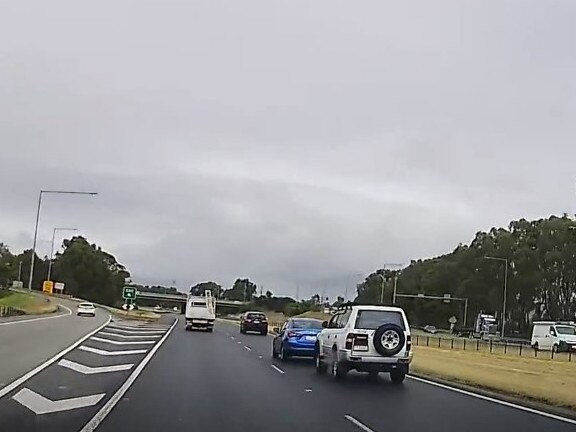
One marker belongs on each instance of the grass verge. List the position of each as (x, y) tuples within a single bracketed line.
[(27, 303), (142, 315), (536, 379)]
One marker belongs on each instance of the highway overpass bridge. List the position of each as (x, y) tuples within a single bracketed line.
[(171, 300)]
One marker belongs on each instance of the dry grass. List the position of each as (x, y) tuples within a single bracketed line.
[(539, 379), (28, 304)]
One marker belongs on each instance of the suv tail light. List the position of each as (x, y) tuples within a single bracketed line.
[(355, 340), (408, 343)]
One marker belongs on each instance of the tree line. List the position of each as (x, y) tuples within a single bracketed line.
[(541, 283), (87, 271)]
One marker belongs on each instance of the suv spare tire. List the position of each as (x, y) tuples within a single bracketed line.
[(389, 339)]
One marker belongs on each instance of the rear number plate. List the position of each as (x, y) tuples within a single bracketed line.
[(310, 338), (256, 322), (360, 348)]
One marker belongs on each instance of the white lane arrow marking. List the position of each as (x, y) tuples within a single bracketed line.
[(111, 353), (41, 405), (139, 332), (87, 370), (128, 336), (113, 342)]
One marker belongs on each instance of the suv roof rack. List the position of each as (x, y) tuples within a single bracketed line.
[(347, 305)]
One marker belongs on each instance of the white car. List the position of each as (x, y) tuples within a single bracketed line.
[(369, 339), (86, 309)]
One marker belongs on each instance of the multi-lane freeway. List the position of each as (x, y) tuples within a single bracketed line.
[(130, 376)]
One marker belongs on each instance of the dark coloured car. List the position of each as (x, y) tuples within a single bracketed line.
[(297, 337), (254, 322)]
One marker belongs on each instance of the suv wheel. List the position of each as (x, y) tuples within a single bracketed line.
[(397, 377), (321, 367), (338, 370), (389, 339)]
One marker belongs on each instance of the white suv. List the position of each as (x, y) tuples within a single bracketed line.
[(369, 339)]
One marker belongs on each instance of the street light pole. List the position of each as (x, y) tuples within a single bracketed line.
[(505, 260), (52, 247), (37, 221)]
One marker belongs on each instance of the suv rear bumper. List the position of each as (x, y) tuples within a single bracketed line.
[(375, 363)]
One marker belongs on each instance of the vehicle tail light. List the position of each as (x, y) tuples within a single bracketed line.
[(292, 334), (408, 343), (354, 340)]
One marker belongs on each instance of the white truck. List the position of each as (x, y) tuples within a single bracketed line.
[(201, 311), (554, 336)]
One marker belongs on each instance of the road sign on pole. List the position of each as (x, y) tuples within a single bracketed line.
[(129, 293)]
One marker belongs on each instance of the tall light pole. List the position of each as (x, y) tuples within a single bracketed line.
[(350, 275), (38, 219), (505, 260), (52, 247), (395, 283)]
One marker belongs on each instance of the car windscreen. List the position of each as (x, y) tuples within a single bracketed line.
[(256, 316), (372, 319), (307, 324), (566, 330)]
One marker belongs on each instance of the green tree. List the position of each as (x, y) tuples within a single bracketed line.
[(201, 287), (242, 290), (89, 272)]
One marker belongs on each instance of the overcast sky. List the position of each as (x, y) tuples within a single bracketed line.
[(292, 142)]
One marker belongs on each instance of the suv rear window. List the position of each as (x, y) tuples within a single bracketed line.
[(256, 316), (372, 319), (198, 304), (86, 305)]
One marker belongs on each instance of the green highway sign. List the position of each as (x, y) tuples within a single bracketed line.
[(129, 293)]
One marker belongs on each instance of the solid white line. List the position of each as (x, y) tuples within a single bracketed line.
[(239, 342), (8, 388), (110, 353), (277, 369), (128, 336), (247, 348), (40, 405), (494, 400), (87, 370), (358, 423), (68, 312), (138, 332), (113, 342), (105, 410)]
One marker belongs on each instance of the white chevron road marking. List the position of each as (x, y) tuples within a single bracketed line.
[(111, 353), (87, 370), (41, 405), (128, 336), (113, 342)]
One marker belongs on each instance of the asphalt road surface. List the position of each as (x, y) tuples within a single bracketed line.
[(224, 381), (28, 341)]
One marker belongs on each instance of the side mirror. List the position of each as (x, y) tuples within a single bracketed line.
[(325, 324), (276, 329)]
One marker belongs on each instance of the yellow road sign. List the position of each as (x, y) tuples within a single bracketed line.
[(48, 286)]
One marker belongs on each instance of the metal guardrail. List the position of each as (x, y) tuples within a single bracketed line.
[(491, 347)]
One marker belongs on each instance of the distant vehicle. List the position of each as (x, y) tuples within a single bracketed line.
[(430, 329), (254, 321), (485, 326), (86, 309), (157, 308), (175, 309), (369, 339), (553, 335), (297, 337), (201, 312)]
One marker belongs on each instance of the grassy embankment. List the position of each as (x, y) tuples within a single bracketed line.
[(539, 379), (27, 303)]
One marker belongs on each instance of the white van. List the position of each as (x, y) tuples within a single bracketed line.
[(553, 335)]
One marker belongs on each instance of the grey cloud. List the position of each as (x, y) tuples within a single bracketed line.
[(290, 142)]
